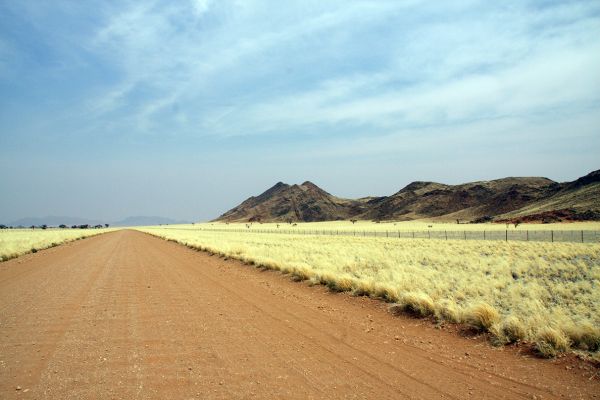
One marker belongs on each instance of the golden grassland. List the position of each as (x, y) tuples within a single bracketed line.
[(16, 242), (391, 226), (547, 294)]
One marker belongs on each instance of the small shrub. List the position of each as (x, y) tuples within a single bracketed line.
[(34, 250)]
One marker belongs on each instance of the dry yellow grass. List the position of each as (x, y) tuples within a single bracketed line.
[(370, 226), (15, 242), (538, 292)]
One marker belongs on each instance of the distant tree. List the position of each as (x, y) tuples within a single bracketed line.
[(106, 225), (458, 221), (2, 226), (517, 223), (353, 221), (44, 226), (62, 226), (73, 226), (32, 226)]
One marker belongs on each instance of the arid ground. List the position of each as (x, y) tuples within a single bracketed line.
[(128, 315)]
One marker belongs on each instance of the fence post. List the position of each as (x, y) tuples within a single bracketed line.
[(413, 234), (484, 235), (446, 233), (465, 233), (552, 235), (386, 234), (527, 235), (582, 236), (506, 233)]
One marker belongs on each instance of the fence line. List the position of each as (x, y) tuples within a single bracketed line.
[(572, 236)]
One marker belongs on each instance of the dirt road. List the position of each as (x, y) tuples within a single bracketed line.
[(125, 315)]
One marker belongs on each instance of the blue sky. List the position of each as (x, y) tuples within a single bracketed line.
[(183, 109)]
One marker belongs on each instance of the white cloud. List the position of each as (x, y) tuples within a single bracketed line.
[(200, 6)]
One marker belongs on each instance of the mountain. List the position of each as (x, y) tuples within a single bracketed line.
[(576, 201), (54, 221), (146, 221), (466, 201), (507, 199), (305, 202)]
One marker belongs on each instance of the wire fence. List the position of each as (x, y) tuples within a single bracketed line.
[(570, 236)]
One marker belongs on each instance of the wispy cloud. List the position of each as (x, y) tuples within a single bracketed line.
[(313, 79)]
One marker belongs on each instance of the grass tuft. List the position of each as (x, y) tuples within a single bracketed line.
[(482, 316), (417, 304), (584, 336), (511, 330), (550, 342)]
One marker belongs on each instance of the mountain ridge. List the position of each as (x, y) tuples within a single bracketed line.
[(506, 199)]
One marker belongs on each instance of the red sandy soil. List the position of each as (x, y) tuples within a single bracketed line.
[(126, 315)]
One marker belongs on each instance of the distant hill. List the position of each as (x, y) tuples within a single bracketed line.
[(69, 221), (507, 199), (145, 221), (54, 221), (576, 201), (305, 202), (466, 201)]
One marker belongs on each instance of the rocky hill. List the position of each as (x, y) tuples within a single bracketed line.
[(305, 202), (507, 199)]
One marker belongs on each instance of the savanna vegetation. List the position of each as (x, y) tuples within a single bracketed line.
[(15, 242), (546, 294)]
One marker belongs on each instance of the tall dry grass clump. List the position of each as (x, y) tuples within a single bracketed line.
[(550, 341), (482, 317), (416, 304), (517, 291)]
